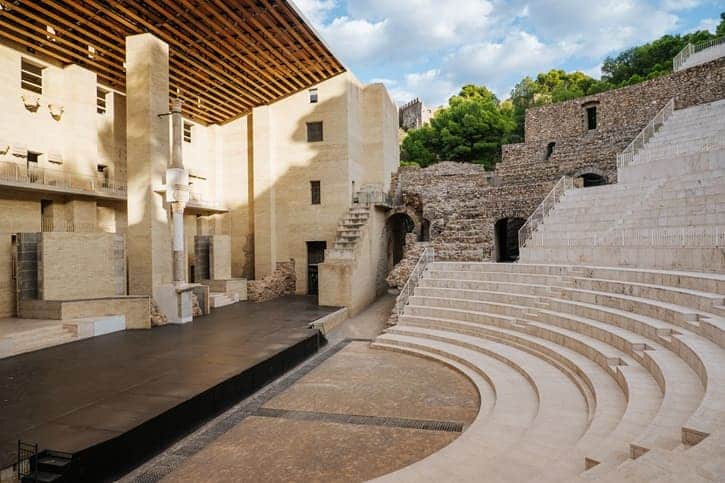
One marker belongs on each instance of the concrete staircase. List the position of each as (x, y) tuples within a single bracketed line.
[(349, 229), (667, 211), (584, 372)]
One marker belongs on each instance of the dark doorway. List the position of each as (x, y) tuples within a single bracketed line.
[(315, 256), (507, 239), (591, 179), (424, 231), (399, 225)]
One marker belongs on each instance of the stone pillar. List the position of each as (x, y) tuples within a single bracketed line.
[(79, 118), (177, 192), (148, 149), (265, 213)]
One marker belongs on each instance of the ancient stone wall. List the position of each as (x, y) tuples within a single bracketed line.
[(462, 205), (462, 202), (626, 110), (281, 282)]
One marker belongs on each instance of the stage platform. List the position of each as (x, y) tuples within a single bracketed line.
[(114, 401)]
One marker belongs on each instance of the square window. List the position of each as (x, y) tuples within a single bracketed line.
[(314, 132), (31, 76), (33, 157), (101, 100), (313, 96), (315, 192), (187, 132), (592, 117)]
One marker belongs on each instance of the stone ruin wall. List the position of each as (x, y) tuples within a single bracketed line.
[(462, 202), (622, 113), (462, 206), (283, 281)]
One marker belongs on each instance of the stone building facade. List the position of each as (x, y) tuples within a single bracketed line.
[(464, 205), (414, 114), (81, 157)]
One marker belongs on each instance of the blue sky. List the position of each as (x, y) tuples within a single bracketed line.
[(429, 48)]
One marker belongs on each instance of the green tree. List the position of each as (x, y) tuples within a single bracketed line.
[(553, 86), (471, 129), (720, 31)]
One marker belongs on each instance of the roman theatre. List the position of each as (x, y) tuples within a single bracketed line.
[(214, 268)]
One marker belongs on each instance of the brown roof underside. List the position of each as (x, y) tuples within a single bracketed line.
[(226, 56)]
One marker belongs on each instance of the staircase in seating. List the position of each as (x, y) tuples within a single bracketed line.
[(600, 356), (666, 211)]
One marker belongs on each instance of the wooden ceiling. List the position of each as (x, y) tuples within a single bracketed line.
[(226, 56)]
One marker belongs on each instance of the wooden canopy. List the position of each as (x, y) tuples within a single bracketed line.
[(226, 56)]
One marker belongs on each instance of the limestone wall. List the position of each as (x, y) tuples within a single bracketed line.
[(359, 147), (81, 265), (21, 214), (356, 282)]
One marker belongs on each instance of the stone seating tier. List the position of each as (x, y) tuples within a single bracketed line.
[(614, 369)]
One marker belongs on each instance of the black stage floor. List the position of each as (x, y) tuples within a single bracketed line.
[(132, 393)]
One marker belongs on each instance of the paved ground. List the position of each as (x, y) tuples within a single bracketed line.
[(75, 395), (350, 413)]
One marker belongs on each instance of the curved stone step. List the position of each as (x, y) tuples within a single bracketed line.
[(492, 433), (560, 421)]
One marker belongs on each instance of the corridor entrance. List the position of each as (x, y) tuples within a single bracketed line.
[(506, 244), (315, 256)]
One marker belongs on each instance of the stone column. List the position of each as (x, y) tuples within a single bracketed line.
[(178, 185), (148, 149)]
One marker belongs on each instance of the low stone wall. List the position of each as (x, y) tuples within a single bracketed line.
[(282, 281)]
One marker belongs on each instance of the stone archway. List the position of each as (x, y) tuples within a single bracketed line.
[(399, 225), (506, 239), (590, 176)]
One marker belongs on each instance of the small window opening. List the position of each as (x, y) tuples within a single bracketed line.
[(313, 96), (187, 132), (592, 117), (101, 100), (550, 150), (33, 157), (315, 192), (31, 76), (314, 132)]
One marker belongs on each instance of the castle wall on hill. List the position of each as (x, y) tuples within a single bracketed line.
[(462, 203)]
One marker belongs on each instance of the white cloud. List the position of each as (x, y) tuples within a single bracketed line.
[(429, 48), (709, 24), (316, 10), (676, 5)]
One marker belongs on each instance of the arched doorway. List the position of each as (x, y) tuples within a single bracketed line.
[(424, 231), (399, 225), (593, 179), (590, 176), (506, 242)]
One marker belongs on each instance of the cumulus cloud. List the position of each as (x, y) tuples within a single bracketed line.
[(429, 48)]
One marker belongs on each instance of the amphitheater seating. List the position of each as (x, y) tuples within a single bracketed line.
[(667, 211), (613, 363), (600, 355)]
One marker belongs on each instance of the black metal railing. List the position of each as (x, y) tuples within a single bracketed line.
[(27, 460)]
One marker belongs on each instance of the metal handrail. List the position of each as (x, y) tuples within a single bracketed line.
[(661, 237), (679, 61), (408, 289), (640, 141), (564, 184), (58, 178)]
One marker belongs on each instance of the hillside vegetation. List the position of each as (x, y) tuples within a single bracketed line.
[(475, 123)]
